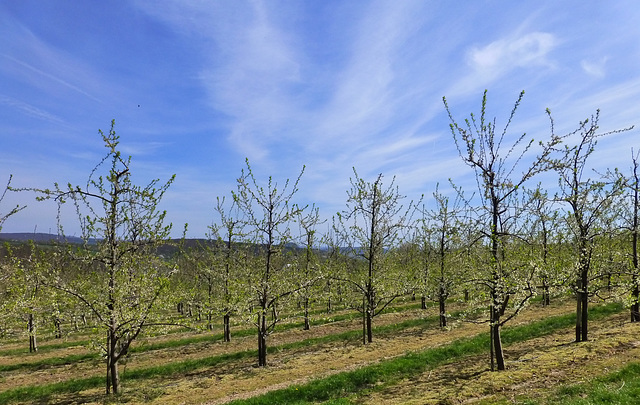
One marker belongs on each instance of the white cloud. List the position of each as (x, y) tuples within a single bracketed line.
[(505, 54), (594, 68), (502, 58)]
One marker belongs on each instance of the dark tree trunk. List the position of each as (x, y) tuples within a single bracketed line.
[(262, 339), (443, 313), (585, 315), (369, 327), (113, 377), (582, 308), (307, 326), (635, 307), (578, 315), (546, 299), (497, 346), (227, 328), (209, 320), (58, 327), (33, 343), (423, 302)]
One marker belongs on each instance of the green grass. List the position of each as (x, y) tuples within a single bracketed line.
[(387, 372), (621, 387), (182, 367), (335, 387), (146, 346)]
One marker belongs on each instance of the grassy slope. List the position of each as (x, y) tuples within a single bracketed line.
[(359, 385)]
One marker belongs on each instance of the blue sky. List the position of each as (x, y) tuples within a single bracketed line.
[(196, 87)]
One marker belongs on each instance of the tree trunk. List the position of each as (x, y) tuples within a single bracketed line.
[(262, 339), (58, 327), (226, 328), (585, 316), (307, 326), (582, 308), (364, 321), (210, 320), (369, 326), (33, 343), (579, 315), (546, 299), (115, 376), (443, 313), (635, 307), (497, 346), (423, 302)]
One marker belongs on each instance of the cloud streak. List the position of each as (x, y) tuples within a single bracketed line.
[(29, 110), (331, 85)]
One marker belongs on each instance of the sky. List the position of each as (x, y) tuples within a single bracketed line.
[(198, 87)]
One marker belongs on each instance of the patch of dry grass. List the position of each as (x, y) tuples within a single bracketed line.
[(533, 367)]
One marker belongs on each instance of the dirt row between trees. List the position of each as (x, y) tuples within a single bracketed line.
[(457, 382), (95, 367), (534, 367)]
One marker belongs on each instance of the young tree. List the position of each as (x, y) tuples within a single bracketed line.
[(544, 238), (630, 216), (229, 231), (269, 214), (633, 186), (371, 225), (588, 200), (310, 267), (122, 277), (446, 221), (421, 256), (25, 296), (500, 172)]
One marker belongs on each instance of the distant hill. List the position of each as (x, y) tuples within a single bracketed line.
[(39, 237), (164, 250)]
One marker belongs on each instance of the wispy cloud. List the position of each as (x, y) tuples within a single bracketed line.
[(42, 64), (529, 52), (29, 110), (328, 84), (49, 75), (503, 55), (594, 68)]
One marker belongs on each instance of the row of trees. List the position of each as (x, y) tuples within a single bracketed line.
[(496, 247)]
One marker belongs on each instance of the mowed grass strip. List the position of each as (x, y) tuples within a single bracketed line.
[(333, 386), (621, 387), (149, 345), (175, 368), (320, 317), (337, 386)]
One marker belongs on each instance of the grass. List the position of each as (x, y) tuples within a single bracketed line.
[(621, 387), (146, 346), (176, 368), (387, 372), (333, 388)]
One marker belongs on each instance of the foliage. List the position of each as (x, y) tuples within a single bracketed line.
[(588, 202), (371, 227), (500, 173), (271, 276), (118, 277)]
